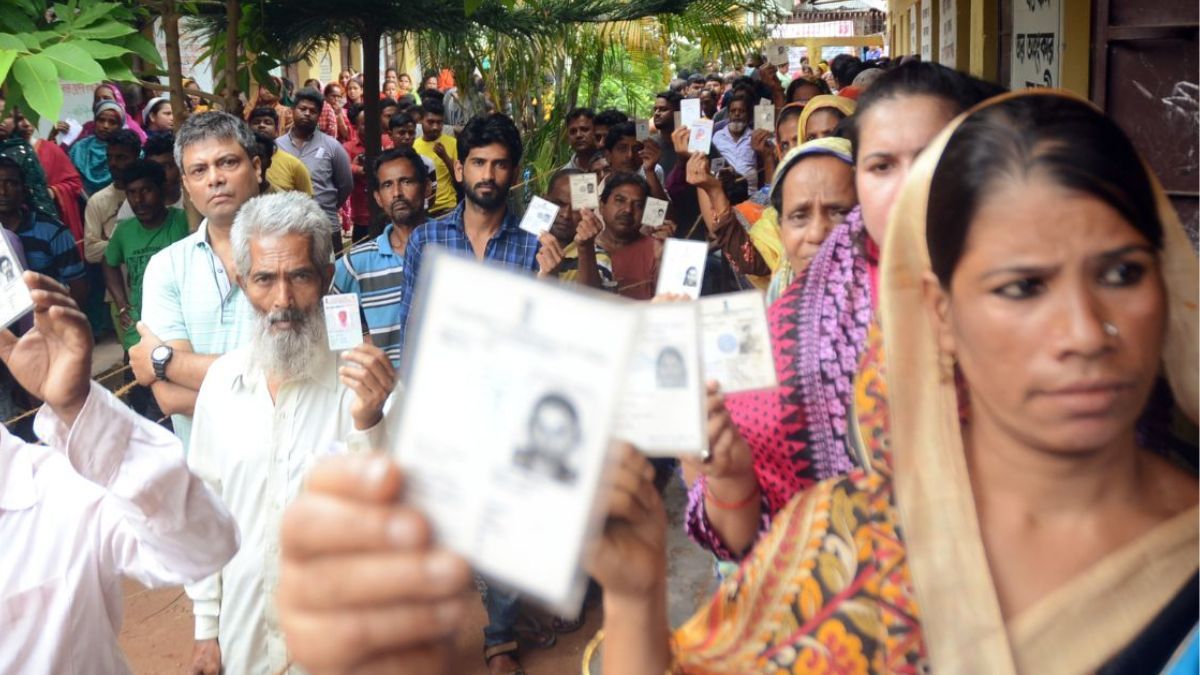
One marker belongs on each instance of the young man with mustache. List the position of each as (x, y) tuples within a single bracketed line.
[(374, 269)]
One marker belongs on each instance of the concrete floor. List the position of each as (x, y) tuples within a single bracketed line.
[(157, 632)]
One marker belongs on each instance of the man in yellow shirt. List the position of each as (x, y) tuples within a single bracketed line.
[(442, 151), (286, 172)]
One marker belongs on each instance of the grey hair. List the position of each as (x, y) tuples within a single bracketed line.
[(277, 214), (214, 125)]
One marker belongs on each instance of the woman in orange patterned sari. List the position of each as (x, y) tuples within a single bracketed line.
[(1035, 280)]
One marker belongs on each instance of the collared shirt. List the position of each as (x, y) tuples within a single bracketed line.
[(375, 272), (186, 295), (100, 217), (328, 166), (740, 154), (510, 246), (255, 454), (568, 269), (107, 498), (50, 249)]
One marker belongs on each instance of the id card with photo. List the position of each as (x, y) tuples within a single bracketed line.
[(15, 300), (689, 111), (764, 117), (717, 165), (539, 216), (342, 321), (662, 406), (584, 193), (736, 342), (777, 54), (682, 267), (700, 137), (507, 420), (642, 128), (655, 212)]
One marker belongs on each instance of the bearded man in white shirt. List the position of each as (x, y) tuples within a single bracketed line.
[(108, 496), (266, 412)]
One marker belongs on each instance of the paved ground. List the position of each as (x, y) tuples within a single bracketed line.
[(157, 633)]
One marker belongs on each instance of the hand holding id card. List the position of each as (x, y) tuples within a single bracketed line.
[(15, 300), (507, 418), (539, 216), (736, 342), (682, 267), (700, 137)]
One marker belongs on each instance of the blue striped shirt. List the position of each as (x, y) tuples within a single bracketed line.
[(375, 273), (49, 248), (510, 246)]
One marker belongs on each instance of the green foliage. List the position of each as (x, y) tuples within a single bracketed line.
[(83, 41)]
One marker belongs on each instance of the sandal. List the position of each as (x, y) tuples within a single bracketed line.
[(533, 633)]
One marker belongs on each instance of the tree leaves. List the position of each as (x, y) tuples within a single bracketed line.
[(144, 48), (100, 50), (39, 83), (73, 63), (7, 56), (105, 30)]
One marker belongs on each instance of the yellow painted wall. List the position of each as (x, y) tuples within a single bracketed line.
[(312, 67)]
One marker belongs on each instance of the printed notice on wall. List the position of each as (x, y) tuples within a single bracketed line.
[(947, 32), (927, 30), (1037, 42), (914, 31)]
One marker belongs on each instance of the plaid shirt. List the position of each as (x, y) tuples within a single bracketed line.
[(510, 246)]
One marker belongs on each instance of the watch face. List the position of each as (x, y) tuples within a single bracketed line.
[(160, 353)]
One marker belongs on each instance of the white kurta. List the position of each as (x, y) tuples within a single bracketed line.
[(109, 497), (255, 454)]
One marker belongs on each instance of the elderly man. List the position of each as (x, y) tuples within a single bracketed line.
[(107, 497), (266, 412)]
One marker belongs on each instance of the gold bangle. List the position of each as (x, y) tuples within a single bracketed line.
[(589, 651)]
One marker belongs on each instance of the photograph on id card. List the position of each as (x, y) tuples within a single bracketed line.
[(584, 194), (655, 212), (15, 300), (682, 268), (539, 216), (642, 129), (507, 420), (343, 322), (700, 137), (662, 406), (736, 342), (778, 54)]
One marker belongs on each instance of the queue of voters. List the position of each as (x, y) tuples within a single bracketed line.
[(919, 353)]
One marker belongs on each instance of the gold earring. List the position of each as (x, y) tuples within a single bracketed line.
[(946, 365)]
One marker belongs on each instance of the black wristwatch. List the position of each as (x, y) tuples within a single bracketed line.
[(160, 357)]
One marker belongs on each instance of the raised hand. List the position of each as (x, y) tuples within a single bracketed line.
[(760, 142), (53, 361), (730, 464), (650, 154), (698, 173), (590, 226), (549, 256), (369, 373), (679, 138), (630, 559)]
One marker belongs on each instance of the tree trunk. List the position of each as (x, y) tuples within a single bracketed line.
[(233, 18), (370, 46), (170, 19)]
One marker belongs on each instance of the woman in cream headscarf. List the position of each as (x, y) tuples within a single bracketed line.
[(822, 115), (1012, 524)]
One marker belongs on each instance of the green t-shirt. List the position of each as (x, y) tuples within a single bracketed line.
[(133, 245)]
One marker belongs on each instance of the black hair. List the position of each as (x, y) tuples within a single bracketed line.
[(715, 77), (144, 169), (405, 101), (159, 143), (561, 174), (428, 95), (695, 79), (1064, 140), (126, 139), (618, 131), (264, 111), (420, 171), (617, 180), (845, 67), (432, 107), (400, 119), (822, 87), (485, 130), (7, 162), (157, 104), (385, 102), (354, 111), (610, 117), (580, 112), (916, 78), (311, 95), (265, 146), (673, 98)]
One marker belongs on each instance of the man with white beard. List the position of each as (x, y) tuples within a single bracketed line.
[(266, 412)]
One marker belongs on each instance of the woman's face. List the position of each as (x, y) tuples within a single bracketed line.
[(162, 119), (430, 83), (804, 93), (891, 135), (818, 193), (344, 77), (103, 93), (1056, 316), (336, 96), (390, 89), (354, 91), (785, 134), (822, 124), (107, 122)]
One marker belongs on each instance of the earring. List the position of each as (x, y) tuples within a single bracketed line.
[(946, 365)]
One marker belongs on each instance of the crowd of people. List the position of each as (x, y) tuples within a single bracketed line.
[(981, 455)]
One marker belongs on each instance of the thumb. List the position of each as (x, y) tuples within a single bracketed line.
[(7, 342)]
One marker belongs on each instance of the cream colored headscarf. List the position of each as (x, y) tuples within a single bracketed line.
[(960, 613), (844, 105)]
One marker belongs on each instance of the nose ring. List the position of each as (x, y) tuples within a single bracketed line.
[(1110, 329)]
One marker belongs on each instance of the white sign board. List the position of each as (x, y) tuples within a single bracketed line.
[(785, 31), (948, 32), (1037, 44), (927, 30)]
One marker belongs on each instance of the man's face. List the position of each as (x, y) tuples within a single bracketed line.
[(566, 221), (360, 126), (708, 104), (739, 111), (25, 128), (6, 268), (404, 135), (12, 191), (664, 114), (431, 126), (599, 132), (623, 156), (400, 194), (693, 89), (120, 158), (219, 177), (486, 175), (386, 113), (107, 122), (305, 115), (623, 210), (581, 135), (283, 277), (553, 429), (264, 124), (145, 200)]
